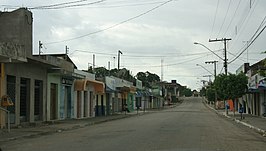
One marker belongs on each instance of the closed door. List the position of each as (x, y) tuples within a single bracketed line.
[(24, 100), (53, 100), (11, 92), (38, 99)]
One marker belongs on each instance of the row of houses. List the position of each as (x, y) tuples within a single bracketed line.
[(37, 88), (254, 101)]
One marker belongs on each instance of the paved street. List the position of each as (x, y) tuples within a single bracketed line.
[(187, 127)]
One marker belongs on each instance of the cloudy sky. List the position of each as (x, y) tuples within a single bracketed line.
[(153, 35)]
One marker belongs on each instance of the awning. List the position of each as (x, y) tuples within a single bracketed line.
[(253, 90), (138, 94), (80, 85), (126, 89), (262, 84)]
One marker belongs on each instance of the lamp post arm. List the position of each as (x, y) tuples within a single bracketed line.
[(196, 43), (205, 69)]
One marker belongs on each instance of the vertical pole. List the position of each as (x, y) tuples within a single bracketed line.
[(93, 65), (225, 57), (215, 74), (114, 62), (40, 47), (119, 52), (161, 70), (118, 64), (66, 52), (215, 101), (8, 121), (109, 65)]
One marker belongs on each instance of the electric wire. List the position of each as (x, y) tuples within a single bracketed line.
[(217, 6), (66, 5), (172, 55), (242, 25), (173, 64), (112, 26), (232, 18), (260, 26), (228, 7), (252, 40)]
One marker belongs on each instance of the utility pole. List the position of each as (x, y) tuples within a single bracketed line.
[(114, 62), (40, 47), (119, 52), (67, 49), (215, 94), (161, 70), (213, 62), (225, 53), (93, 64)]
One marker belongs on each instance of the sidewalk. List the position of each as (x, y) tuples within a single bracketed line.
[(66, 125), (253, 122)]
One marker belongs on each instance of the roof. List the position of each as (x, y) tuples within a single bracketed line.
[(60, 56)]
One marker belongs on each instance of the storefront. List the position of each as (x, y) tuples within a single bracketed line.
[(89, 98)]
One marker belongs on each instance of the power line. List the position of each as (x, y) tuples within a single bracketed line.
[(66, 5), (224, 17), (242, 24), (174, 64), (172, 55), (112, 26), (232, 18), (252, 39), (217, 6), (126, 5)]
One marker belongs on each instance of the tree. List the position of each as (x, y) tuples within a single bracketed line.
[(147, 78), (231, 86), (203, 91), (184, 91), (262, 70), (210, 93), (101, 72)]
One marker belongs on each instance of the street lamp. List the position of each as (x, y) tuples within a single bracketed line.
[(197, 43), (204, 68)]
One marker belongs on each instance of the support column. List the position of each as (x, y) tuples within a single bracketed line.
[(31, 101), (17, 104), (2, 113), (81, 104)]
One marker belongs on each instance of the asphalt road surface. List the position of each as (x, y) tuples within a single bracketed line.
[(188, 127)]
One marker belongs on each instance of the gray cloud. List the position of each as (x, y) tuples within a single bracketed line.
[(168, 31)]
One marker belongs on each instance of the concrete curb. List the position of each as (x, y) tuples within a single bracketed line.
[(260, 131), (256, 129)]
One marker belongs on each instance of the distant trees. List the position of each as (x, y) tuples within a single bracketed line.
[(203, 91), (184, 91), (210, 93), (147, 78)]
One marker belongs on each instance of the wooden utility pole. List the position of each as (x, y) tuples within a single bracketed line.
[(40, 47), (67, 50), (225, 53), (213, 62), (215, 95), (119, 52)]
